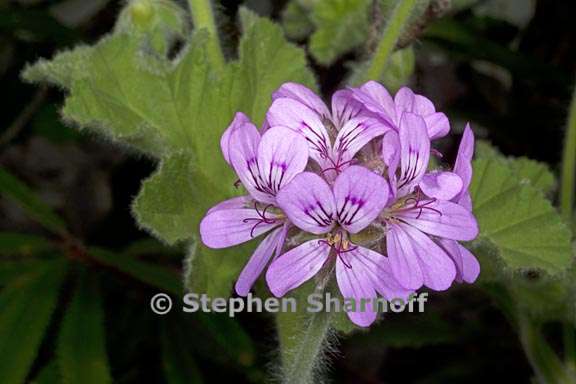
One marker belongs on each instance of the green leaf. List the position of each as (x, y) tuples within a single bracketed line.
[(177, 110), (48, 375), (11, 270), (172, 201), (341, 25), (296, 21), (533, 172), (81, 345), (399, 69), (26, 307), (546, 298), (266, 61), (12, 244), (149, 273), (158, 22), (515, 216), (178, 362), (525, 170), (214, 271), (21, 194)]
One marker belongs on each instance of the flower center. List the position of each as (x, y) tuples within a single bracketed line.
[(339, 241)]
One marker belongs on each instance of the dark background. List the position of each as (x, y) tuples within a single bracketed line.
[(517, 99)]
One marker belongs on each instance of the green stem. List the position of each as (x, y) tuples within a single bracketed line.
[(390, 36), (545, 362), (203, 18), (568, 180), (300, 363)]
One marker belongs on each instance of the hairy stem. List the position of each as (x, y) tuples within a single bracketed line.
[(301, 361), (568, 179), (203, 17), (392, 32), (303, 337), (545, 362)]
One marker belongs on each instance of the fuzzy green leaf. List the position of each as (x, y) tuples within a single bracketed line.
[(296, 21), (341, 25), (176, 110), (515, 216), (84, 362), (533, 172), (26, 307), (399, 69)]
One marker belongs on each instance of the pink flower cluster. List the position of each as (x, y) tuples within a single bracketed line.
[(348, 189)]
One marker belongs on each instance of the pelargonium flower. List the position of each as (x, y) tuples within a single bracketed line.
[(334, 136), (264, 165), (349, 206), (376, 99), (467, 266), (421, 212), (368, 207)]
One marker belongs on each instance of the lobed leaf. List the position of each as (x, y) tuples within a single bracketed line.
[(515, 216), (341, 25)]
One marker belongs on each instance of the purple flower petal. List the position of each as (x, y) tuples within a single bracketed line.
[(308, 202), (240, 121), (360, 197), (296, 266), (297, 116), (438, 125), (355, 283), (407, 101), (345, 107), (227, 227), (303, 95), (441, 218), (243, 147), (282, 154), (391, 157), (404, 101), (376, 267), (463, 163), (377, 100), (414, 151), (259, 260), (467, 266), (235, 202), (441, 185), (416, 260), (465, 200), (354, 135)]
